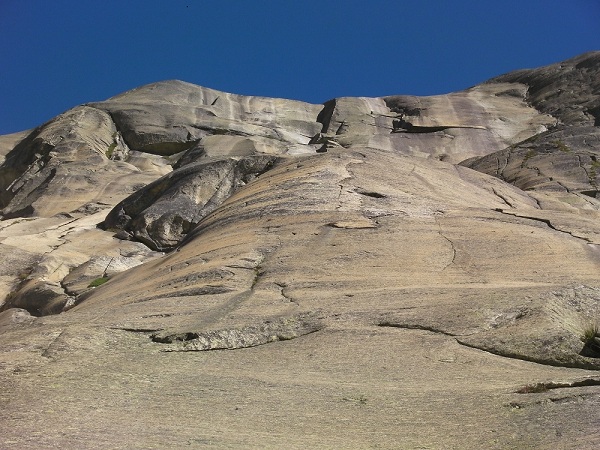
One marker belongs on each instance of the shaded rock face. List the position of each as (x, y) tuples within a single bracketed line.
[(569, 90), (194, 253), (162, 213), (564, 159), (65, 164)]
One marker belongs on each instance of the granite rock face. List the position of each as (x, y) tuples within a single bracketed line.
[(362, 266), (565, 157), (163, 212), (569, 90), (450, 127), (72, 160), (170, 117)]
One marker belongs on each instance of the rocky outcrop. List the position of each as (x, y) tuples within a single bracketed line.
[(569, 90), (408, 125), (309, 221), (47, 262), (450, 127), (172, 116), (72, 160), (363, 265), (565, 159), (8, 142), (162, 213), (248, 336)]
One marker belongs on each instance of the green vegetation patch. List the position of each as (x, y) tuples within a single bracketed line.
[(530, 154), (590, 332), (110, 150), (593, 173), (98, 282), (562, 146)]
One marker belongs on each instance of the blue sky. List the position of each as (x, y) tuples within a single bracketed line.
[(56, 54)]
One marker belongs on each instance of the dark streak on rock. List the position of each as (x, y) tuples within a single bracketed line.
[(370, 194), (546, 386), (137, 330), (414, 327), (545, 221), (580, 363), (502, 197)]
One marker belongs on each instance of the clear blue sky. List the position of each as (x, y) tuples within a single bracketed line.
[(56, 54)]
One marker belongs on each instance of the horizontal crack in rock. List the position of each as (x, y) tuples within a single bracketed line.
[(546, 221), (353, 224), (546, 386), (414, 327), (576, 361), (137, 330), (235, 338), (192, 292)]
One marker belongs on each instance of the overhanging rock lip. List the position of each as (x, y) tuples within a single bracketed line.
[(282, 329)]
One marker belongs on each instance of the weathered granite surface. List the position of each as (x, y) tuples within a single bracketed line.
[(398, 272), (66, 163), (163, 212)]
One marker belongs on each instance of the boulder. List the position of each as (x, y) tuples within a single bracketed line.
[(15, 316), (162, 213)]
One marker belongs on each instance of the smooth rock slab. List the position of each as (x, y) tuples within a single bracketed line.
[(171, 116)]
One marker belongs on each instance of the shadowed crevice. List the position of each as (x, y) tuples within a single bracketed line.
[(547, 386), (405, 326)]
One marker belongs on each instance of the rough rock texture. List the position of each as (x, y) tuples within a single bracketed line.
[(569, 90), (43, 257), (335, 276), (65, 164), (162, 213), (565, 157)]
